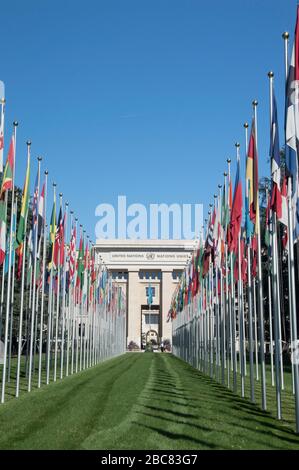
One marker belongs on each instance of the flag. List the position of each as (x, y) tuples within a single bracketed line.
[(284, 213), (236, 212), (52, 233), (23, 218), (72, 254), (275, 161), (59, 241), (292, 128), (13, 239), (149, 295), (7, 180), (29, 258), (35, 213), (252, 178), (80, 264), (41, 211), (7, 184)]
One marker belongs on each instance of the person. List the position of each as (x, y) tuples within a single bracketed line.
[(162, 346)]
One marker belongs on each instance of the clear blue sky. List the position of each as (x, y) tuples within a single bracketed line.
[(144, 98)]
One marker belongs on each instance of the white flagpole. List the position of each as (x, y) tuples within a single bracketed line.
[(63, 294), (20, 336), (249, 291), (234, 352), (74, 300), (57, 302), (250, 322), (43, 282), (227, 296), (12, 293), (231, 279), (270, 293), (3, 271), (69, 303), (34, 285), (285, 37), (260, 285), (270, 323), (9, 271), (79, 312), (217, 335), (240, 304), (50, 304), (222, 302), (276, 286), (292, 285)]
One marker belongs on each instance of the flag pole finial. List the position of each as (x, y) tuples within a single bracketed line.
[(270, 74), (219, 186), (254, 103), (66, 204), (54, 185), (2, 101), (76, 219), (39, 159), (46, 172), (15, 123), (28, 143), (246, 125), (286, 35), (237, 144), (229, 160), (215, 196), (225, 174)]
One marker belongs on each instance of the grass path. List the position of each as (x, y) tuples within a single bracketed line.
[(139, 401)]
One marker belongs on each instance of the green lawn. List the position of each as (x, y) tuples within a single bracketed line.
[(139, 401)]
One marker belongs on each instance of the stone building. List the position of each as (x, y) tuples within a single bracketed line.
[(137, 265)]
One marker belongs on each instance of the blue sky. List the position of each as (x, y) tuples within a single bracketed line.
[(144, 98)]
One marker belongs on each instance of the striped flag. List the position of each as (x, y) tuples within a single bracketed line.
[(276, 202), (236, 212), (23, 218), (292, 128), (52, 233), (41, 211), (6, 185), (8, 170), (252, 178)]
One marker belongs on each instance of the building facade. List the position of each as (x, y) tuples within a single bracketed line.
[(138, 265)]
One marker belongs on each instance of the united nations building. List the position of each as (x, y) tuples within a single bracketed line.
[(137, 265)]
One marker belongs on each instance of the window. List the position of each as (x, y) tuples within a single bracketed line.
[(119, 275), (151, 318), (176, 275)]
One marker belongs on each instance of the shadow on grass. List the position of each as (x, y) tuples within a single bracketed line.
[(219, 411)]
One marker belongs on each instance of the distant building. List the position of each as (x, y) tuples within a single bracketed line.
[(138, 264)]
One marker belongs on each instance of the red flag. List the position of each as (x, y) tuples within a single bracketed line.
[(236, 212), (253, 175)]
